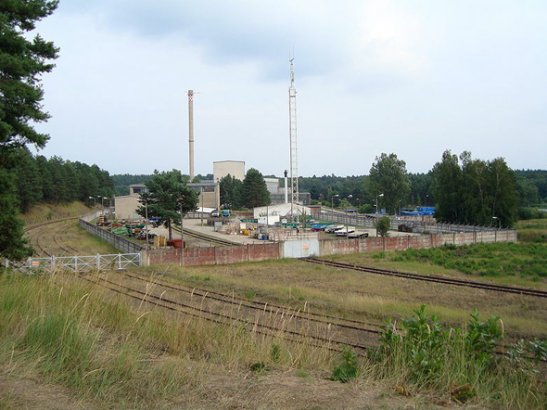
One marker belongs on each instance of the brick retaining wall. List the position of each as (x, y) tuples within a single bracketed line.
[(259, 252), (399, 243), (214, 255)]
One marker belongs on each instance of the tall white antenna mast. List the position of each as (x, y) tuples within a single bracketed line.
[(191, 134), (293, 141)]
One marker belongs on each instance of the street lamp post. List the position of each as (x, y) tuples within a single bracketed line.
[(146, 221), (350, 197), (378, 196), (357, 211), (218, 194), (201, 194), (181, 234), (332, 204)]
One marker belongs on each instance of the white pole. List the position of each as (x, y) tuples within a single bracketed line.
[(286, 190), (191, 133)]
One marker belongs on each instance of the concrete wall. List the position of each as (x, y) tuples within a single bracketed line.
[(126, 207), (272, 184), (209, 199), (281, 210), (399, 243)]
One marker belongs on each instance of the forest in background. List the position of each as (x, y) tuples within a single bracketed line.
[(55, 180), (355, 189)]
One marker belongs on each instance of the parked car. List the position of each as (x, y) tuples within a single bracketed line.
[(333, 228), (358, 234), (345, 231), (319, 227)]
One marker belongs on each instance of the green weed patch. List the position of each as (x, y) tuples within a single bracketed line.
[(461, 363), (500, 259)]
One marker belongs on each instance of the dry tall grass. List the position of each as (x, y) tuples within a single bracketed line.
[(363, 296), (104, 348)]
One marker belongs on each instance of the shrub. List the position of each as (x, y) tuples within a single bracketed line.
[(348, 368), (275, 353), (481, 338), (382, 226), (461, 362), (529, 213)]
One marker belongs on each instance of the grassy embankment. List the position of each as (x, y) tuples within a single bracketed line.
[(67, 233), (366, 296), (110, 353), (48, 212), (104, 349)]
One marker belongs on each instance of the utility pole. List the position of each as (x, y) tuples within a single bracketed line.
[(201, 213), (181, 235), (146, 221)]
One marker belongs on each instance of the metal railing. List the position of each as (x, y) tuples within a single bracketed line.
[(77, 264), (117, 241), (369, 220)]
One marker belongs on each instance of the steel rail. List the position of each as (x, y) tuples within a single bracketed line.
[(436, 279), (206, 238), (262, 306), (54, 221), (224, 319)]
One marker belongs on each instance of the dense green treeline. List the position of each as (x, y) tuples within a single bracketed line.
[(532, 186), (123, 181), (37, 179), (358, 192)]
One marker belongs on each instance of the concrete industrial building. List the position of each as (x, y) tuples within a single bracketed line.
[(209, 193), (275, 213), (125, 206), (235, 168), (277, 192)]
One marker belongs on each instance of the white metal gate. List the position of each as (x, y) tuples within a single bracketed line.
[(77, 263), (301, 248)]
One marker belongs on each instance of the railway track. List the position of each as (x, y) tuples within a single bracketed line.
[(300, 326), (49, 232), (435, 279), (208, 238), (265, 306), (54, 221)]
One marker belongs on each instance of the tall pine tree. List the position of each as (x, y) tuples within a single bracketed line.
[(22, 61)]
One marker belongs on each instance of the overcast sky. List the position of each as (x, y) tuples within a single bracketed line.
[(412, 78)]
